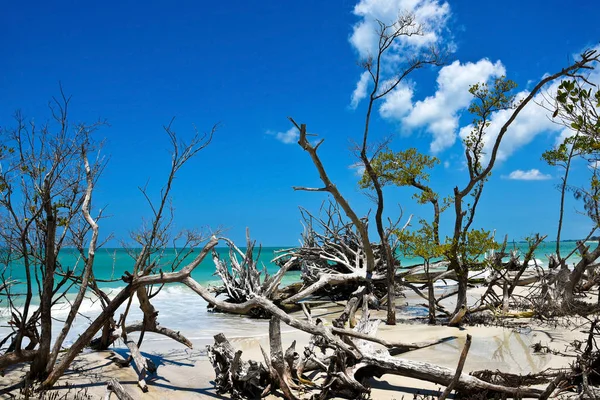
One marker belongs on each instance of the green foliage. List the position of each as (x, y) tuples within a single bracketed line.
[(556, 156), (475, 243), (486, 101), (489, 100), (420, 243), (573, 100), (577, 109), (404, 168)]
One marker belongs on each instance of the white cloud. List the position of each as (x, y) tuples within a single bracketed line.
[(431, 14), (288, 137), (397, 103), (532, 121), (359, 169), (439, 114), (360, 92), (531, 175), (564, 134)]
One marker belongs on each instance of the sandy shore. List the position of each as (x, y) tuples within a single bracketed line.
[(187, 373)]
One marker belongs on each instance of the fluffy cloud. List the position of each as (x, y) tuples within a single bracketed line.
[(360, 92), (531, 175), (358, 168), (397, 103), (430, 14), (438, 114), (288, 137), (532, 121)]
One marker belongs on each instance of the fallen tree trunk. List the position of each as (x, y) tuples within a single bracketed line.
[(440, 375), (350, 368)]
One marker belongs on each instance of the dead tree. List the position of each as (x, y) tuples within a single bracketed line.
[(133, 283), (404, 26), (152, 239), (333, 261), (486, 103), (46, 186), (241, 277), (46, 190)]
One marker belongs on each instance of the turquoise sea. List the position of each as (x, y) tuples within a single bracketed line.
[(111, 263), (178, 306)]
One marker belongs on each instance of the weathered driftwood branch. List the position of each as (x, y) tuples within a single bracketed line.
[(16, 357), (333, 279), (113, 386), (333, 190), (140, 363), (282, 371), (138, 327), (459, 368), (234, 375), (552, 386)]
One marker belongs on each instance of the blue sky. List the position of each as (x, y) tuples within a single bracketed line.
[(250, 65)]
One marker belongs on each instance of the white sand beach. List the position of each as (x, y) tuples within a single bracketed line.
[(187, 373)]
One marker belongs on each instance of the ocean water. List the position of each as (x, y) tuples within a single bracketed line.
[(110, 264), (180, 308)]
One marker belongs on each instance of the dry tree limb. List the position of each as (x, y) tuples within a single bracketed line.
[(438, 375), (283, 376), (458, 317), (16, 357), (398, 347), (113, 386), (140, 363), (552, 386), (108, 312), (459, 368), (367, 361), (349, 311), (333, 190), (139, 326)]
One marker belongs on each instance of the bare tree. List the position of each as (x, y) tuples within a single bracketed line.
[(47, 182), (46, 198), (405, 26), (488, 101)]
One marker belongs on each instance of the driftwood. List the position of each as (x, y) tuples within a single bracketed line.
[(461, 364), (346, 372), (140, 363), (113, 386), (334, 259), (242, 278), (234, 376)]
